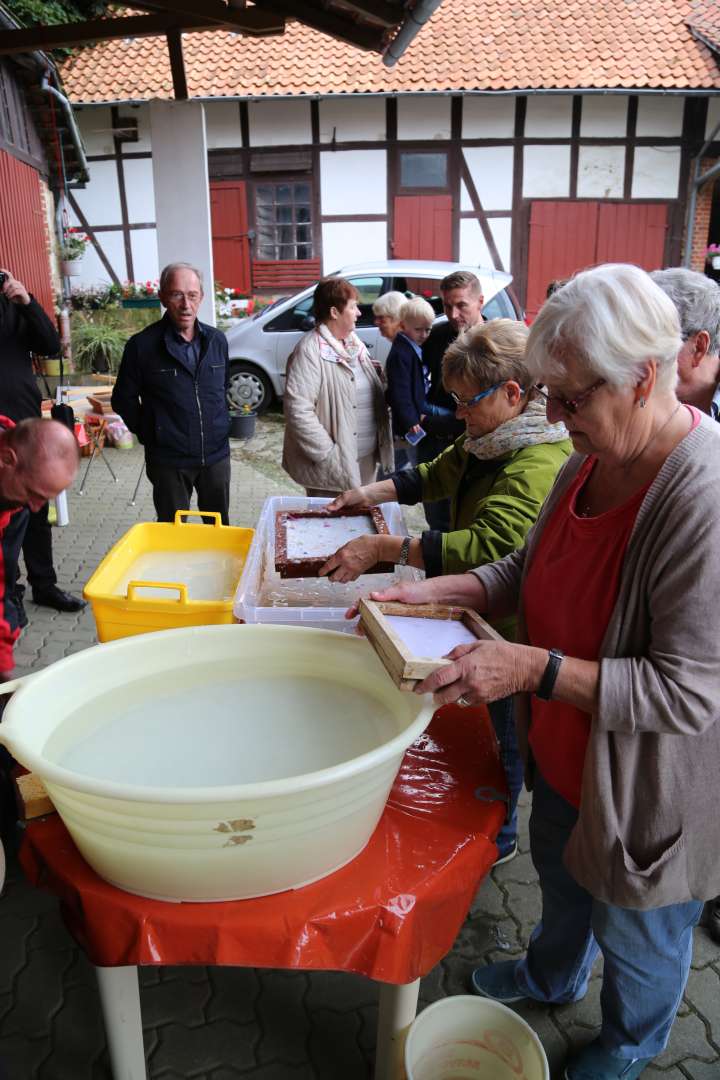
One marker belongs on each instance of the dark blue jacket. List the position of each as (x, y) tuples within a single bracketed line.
[(179, 415), (444, 425), (406, 388)]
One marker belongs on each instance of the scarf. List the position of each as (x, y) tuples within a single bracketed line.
[(528, 428), (350, 351)]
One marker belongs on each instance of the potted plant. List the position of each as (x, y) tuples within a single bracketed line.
[(72, 250), (140, 294), (97, 342), (712, 255), (242, 422)]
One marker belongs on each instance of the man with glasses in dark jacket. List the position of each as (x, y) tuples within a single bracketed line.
[(697, 299), (171, 391)]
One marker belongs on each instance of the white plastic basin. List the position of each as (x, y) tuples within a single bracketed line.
[(216, 762)]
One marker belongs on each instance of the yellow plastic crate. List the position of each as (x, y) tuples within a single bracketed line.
[(123, 609)]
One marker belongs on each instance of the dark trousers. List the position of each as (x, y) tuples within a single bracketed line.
[(37, 551), (437, 513), (173, 488), (12, 541)]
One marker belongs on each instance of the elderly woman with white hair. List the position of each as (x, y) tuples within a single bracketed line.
[(386, 313), (615, 669)]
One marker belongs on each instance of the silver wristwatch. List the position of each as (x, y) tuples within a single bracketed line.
[(404, 552)]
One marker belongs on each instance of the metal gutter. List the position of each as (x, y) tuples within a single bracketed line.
[(84, 173), (411, 27)]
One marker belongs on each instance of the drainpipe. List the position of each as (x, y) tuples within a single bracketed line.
[(698, 182), (72, 126), (412, 26)]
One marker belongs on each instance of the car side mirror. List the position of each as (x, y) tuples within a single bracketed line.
[(308, 322)]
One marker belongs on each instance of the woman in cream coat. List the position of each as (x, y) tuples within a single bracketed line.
[(337, 426)]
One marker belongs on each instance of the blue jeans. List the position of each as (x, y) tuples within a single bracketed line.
[(647, 954), (503, 720)]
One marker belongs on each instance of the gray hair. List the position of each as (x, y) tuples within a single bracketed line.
[(461, 279), (697, 299), (613, 319), (169, 271), (417, 308), (390, 303), (488, 353)]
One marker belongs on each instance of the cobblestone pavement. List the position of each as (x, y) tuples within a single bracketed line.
[(220, 1023)]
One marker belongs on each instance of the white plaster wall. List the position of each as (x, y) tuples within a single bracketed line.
[(656, 172), (352, 119), (353, 182), (139, 189), (100, 200), (474, 250), (222, 120), (279, 123), (660, 114), (96, 129), (601, 172), (713, 116), (93, 271), (145, 254), (546, 171), (548, 116), (603, 115), (491, 168), (485, 117), (352, 242), (423, 117)]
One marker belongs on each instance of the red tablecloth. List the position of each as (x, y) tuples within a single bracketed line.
[(391, 914)]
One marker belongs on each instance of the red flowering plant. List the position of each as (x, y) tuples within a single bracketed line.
[(73, 246), (139, 290)]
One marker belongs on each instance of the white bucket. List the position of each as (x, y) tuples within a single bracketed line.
[(472, 1038)]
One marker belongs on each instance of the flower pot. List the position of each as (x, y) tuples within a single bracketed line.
[(140, 301), (71, 267), (242, 425), (715, 262), (50, 367)]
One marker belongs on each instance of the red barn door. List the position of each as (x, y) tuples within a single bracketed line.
[(423, 227), (231, 244)]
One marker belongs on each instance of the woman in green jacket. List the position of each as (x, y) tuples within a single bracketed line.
[(497, 475)]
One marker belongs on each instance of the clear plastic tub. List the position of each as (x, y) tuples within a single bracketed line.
[(264, 597)]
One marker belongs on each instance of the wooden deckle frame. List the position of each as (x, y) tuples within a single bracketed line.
[(403, 667), (309, 566)]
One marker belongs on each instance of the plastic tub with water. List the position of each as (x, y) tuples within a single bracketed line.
[(473, 1038)]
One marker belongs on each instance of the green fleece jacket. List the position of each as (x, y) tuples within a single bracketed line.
[(494, 503)]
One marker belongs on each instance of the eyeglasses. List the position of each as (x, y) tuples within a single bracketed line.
[(569, 405), (191, 297), (460, 404)]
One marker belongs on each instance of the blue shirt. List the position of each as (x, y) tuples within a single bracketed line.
[(190, 349)]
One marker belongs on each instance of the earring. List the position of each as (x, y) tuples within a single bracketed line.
[(642, 402)]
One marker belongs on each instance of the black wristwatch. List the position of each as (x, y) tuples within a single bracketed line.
[(550, 674)]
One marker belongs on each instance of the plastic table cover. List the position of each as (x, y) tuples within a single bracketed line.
[(391, 914)]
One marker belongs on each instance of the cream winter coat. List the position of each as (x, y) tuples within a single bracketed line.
[(320, 449)]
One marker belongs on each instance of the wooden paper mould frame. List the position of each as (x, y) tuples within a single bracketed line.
[(308, 567), (404, 668)]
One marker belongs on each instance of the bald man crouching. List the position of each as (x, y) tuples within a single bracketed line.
[(38, 460)]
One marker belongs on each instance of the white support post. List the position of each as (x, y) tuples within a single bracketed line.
[(182, 191), (398, 1006), (120, 999)]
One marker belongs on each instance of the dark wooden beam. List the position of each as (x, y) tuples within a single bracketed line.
[(315, 15), (246, 20), (177, 64), (67, 34), (387, 14)]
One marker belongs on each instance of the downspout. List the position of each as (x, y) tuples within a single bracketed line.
[(413, 24), (72, 126), (698, 182)]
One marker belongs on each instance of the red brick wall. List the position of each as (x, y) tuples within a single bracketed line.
[(700, 235)]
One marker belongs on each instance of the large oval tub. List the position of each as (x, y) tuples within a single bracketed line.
[(217, 762)]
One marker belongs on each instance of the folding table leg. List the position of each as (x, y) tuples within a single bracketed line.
[(398, 1005), (120, 999)]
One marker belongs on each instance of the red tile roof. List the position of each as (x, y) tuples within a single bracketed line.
[(468, 45)]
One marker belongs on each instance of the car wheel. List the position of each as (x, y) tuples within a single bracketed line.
[(248, 386)]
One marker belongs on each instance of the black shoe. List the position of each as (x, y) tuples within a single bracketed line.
[(713, 918), (56, 598)]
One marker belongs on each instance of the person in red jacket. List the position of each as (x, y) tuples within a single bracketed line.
[(38, 460)]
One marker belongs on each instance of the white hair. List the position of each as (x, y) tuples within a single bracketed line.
[(390, 304), (613, 319), (417, 308), (697, 299), (169, 271)]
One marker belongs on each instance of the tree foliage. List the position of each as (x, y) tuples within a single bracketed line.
[(49, 12)]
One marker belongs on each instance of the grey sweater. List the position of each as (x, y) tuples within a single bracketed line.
[(648, 831)]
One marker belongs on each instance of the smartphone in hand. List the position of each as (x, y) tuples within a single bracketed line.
[(414, 437)]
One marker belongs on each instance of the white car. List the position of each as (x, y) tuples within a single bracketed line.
[(260, 345)]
